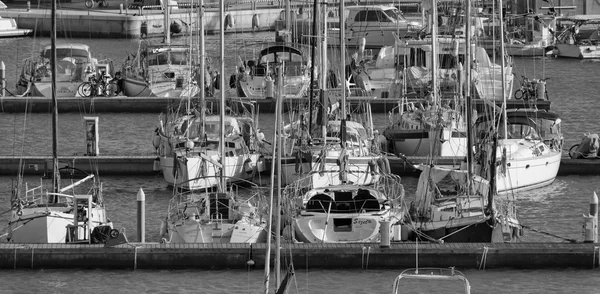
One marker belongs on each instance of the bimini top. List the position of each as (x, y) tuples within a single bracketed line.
[(516, 114), (280, 48)]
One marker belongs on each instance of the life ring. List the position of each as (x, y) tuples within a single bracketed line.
[(114, 233)]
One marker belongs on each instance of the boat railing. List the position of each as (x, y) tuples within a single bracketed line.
[(440, 274)]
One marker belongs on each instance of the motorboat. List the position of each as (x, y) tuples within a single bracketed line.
[(75, 65), (376, 24), (572, 43), (9, 28), (257, 78), (344, 213), (160, 70), (430, 275)]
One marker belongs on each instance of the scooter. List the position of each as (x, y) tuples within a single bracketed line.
[(101, 3)]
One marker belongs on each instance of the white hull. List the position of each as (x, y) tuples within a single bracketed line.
[(528, 173), (339, 228), (193, 231), (197, 173), (576, 51), (38, 225)]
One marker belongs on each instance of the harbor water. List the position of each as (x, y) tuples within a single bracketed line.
[(553, 212)]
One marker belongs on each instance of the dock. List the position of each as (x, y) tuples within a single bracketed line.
[(157, 105), (145, 165), (310, 256)]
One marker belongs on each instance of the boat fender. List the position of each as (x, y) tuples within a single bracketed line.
[(217, 81), (156, 139), (387, 165), (175, 28), (255, 21), (381, 164), (373, 167), (332, 80), (269, 87), (156, 164), (248, 167), (232, 81), (229, 21), (163, 228), (204, 168)]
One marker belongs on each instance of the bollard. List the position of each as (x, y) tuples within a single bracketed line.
[(121, 8), (3, 78), (141, 216), (384, 231), (590, 222)]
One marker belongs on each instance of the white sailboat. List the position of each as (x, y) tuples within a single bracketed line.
[(458, 205), (214, 217), (71, 214)]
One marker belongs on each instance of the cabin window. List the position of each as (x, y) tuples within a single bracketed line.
[(370, 16)]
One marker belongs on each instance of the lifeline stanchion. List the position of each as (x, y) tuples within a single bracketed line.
[(32, 257)]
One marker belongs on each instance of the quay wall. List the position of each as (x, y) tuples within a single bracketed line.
[(313, 256)]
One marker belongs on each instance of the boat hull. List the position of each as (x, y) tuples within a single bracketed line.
[(576, 51), (322, 228), (197, 173), (528, 173), (195, 231)]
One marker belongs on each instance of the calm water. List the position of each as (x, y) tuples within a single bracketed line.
[(556, 209)]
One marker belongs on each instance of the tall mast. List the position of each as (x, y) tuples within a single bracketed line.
[(202, 65), (279, 148), (313, 45), (434, 52), (502, 71), (55, 174), (222, 87), (468, 91)]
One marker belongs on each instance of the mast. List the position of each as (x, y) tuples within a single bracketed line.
[(271, 200), (468, 92), (202, 66), (343, 88), (313, 41), (278, 206), (55, 174), (222, 87), (434, 52), (502, 71)]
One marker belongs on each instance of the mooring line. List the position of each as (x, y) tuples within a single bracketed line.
[(484, 258)]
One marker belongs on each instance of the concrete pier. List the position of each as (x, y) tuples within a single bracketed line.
[(312, 256), (144, 165), (157, 105)]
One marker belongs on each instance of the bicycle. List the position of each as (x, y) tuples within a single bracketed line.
[(528, 89), (97, 86), (101, 3)]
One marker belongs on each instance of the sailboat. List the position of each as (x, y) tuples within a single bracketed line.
[(457, 205), (336, 145), (344, 208), (214, 216), (71, 214), (188, 140), (160, 70)]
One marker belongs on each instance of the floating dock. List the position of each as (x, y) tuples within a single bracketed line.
[(145, 165), (157, 105), (311, 256)]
